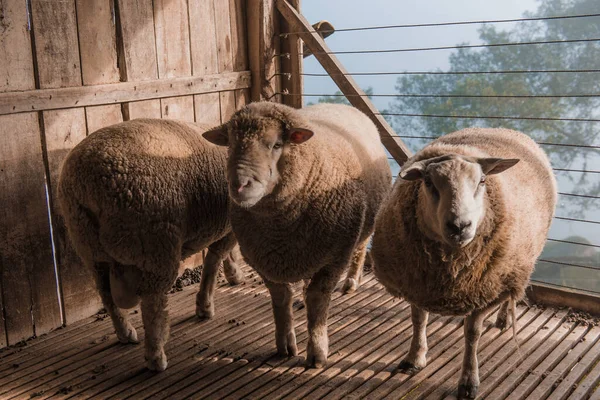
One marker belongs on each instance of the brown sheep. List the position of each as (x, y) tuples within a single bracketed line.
[(458, 235), (306, 186), (137, 198)]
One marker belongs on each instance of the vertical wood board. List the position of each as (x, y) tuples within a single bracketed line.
[(137, 52), (227, 100), (58, 65), (173, 53), (203, 37), (223, 24), (29, 286), (207, 109)]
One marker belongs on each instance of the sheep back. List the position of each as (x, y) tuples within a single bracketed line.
[(144, 186)]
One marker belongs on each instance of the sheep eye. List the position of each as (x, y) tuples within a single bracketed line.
[(277, 145), (482, 180)]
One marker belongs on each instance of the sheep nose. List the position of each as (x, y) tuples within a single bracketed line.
[(457, 227), (244, 183)]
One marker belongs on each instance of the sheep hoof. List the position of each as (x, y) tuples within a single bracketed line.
[(158, 364), (205, 312), (350, 285), (129, 337), (501, 323), (286, 345), (467, 391), (408, 368), (315, 358), (235, 279), (313, 361)]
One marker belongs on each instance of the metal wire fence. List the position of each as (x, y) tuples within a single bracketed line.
[(574, 255)]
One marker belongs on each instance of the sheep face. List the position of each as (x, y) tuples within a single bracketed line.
[(453, 194), (256, 145)]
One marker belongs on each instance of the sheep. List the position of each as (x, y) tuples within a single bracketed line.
[(137, 198), (459, 236), (306, 185)]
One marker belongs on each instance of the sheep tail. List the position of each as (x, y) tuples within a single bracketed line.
[(513, 308)]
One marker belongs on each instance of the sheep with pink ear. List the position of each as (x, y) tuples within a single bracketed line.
[(306, 186), (461, 232)]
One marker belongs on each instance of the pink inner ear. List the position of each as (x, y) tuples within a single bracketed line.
[(300, 136)]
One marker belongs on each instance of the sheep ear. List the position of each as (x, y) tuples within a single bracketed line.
[(299, 135), (413, 173), (491, 166), (217, 136)]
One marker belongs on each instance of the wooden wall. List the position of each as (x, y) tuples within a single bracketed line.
[(68, 68)]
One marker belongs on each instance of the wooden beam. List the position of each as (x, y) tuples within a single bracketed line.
[(340, 76), (263, 45), (291, 67), (79, 96), (551, 295)]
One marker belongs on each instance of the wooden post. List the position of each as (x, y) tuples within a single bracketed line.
[(263, 49), (291, 65), (340, 76)]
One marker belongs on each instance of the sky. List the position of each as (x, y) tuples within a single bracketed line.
[(355, 13)]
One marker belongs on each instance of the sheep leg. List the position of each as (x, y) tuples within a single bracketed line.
[(355, 272), (156, 325), (416, 359), (318, 296), (205, 306), (126, 333), (469, 380), (282, 296), (231, 267), (502, 318)]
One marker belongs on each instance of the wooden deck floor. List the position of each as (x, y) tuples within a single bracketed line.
[(231, 356)]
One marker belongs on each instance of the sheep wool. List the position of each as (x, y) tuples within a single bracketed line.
[(137, 198)]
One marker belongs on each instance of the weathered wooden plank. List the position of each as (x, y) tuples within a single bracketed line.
[(564, 297), (223, 25), (346, 83), (30, 292), (227, 105), (16, 73), (291, 66), (25, 246), (181, 108), (100, 116), (141, 109), (203, 42), (97, 42), (58, 65), (70, 97), (263, 46), (242, 97), (173, 52), (137, 51), (207, 108), (239, 48)]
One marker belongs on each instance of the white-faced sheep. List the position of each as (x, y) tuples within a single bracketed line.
[(137, 198), (459, 236), (306, 186)]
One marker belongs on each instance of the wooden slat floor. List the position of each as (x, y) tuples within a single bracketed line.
[(232, 356)]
